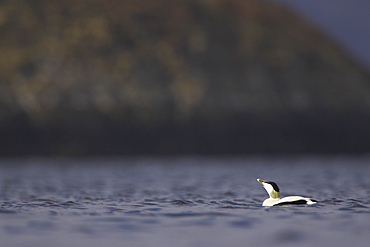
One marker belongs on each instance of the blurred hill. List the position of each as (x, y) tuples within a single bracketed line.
[(107, 77), (346, 21)]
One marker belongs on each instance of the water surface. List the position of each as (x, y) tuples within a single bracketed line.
[(183, 202)]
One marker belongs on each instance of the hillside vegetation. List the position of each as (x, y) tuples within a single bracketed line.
[(107, 77)]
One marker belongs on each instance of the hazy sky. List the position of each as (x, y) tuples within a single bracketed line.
[(348, 21)]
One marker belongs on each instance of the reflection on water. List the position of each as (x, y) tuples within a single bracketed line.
[(183, 202)]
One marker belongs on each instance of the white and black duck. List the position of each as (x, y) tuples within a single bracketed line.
[(275, 200)]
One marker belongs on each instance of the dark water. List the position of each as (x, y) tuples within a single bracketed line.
[(183, 202)]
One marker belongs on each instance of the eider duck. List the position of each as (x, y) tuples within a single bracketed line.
[(275, 200)]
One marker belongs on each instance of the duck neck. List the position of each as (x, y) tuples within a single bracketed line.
[(275, 195)]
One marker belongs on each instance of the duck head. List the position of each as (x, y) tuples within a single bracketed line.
[(271, 188)]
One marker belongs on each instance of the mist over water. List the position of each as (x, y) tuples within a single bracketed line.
[(183, 202)]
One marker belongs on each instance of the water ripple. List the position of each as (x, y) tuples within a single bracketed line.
[(214, 205)]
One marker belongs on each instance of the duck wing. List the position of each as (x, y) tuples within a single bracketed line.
[(294, 200)]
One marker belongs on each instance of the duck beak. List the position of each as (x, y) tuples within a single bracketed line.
[(261, 181)]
